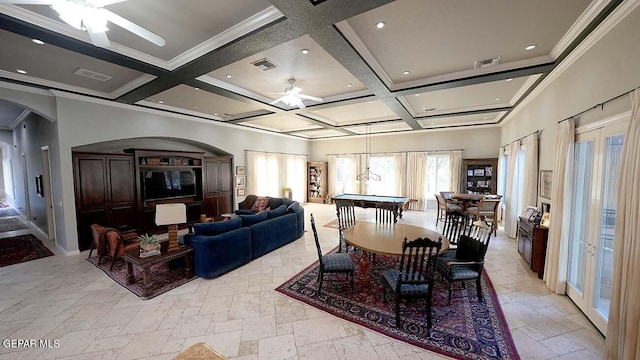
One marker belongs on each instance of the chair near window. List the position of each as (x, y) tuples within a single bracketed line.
[(414, 276), (467, 261), (487, 210), (331, 263), (386, 212), (444, 207), (346, 213)]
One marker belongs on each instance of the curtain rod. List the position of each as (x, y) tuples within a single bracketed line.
[(520, 138), (279, 153), (601, 105), (397, 152)]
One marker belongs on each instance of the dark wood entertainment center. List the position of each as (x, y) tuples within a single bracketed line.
[(110, 188)]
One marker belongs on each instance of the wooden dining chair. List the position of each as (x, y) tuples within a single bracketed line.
[(444, 207), (487, 210), (414, 276), (386, 212), (467, 261), (455, 224), (346, 213), (331, 263)]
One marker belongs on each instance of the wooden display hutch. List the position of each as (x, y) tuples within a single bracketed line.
[(532, 244), (479, 176), (316, 181)]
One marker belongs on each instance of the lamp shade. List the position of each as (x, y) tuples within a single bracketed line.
[(168, 214)]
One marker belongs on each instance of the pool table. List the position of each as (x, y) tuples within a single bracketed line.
[(369, 201)]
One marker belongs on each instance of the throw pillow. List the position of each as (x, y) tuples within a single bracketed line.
[(279, 211), (260, 204), (216, 228), (248, 220), (469, 249), (293, 207)]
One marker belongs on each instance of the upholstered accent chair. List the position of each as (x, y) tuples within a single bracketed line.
[(414, 276), (331, 263), (444, 207), (487, 210), (109, 241)]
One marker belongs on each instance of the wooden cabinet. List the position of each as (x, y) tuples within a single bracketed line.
[(104, 193), (218, 186), (479, 176), (532, 244), (316, 181)]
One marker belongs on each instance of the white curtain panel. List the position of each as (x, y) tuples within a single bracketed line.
[(455, 168), (501, 182), (511, 205), (400, 161), (331, 180), (555, 268), (253, 171), (623, 335), (530, 178), (416, 177), (354, 160)]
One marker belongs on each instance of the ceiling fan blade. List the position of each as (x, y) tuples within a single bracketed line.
[(102, 3), (301, 105), (98, 39), (295, 90), (276, 101), (136, 29), (28, 2), (314, 98)]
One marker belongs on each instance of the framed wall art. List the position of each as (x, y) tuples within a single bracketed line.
[(545, 183), (241, 170)]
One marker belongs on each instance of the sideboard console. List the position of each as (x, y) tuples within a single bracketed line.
[(532, 244)]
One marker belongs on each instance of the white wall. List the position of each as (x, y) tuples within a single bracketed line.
[(477, 143), (608, 69)]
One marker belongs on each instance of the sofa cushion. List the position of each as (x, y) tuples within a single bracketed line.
[(216, 228), (260, 204), (279, 211), (286, 202), (293, 207), (248, 220), (274, 202)]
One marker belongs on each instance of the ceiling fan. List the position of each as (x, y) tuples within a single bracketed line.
[(90, 15), (292, 96)]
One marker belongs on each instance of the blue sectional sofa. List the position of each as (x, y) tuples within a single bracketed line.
[(223, 246)]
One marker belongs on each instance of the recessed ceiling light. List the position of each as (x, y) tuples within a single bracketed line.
[(38, 41), (530, 47), (370, 102), (381, 25), (305, 51), (349, 85), (160, 102), (485, 118), (20, 71), (498, 99), (215, 114), (406, 72), (196, 89), (228, 76), (509, 79), (416, 95)]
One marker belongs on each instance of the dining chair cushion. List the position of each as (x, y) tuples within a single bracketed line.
[(474, 209), (469, 249), (452, 207), (337, 261), (464, 272), (391, 276)]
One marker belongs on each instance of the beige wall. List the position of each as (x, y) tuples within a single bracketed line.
[(477, 143)]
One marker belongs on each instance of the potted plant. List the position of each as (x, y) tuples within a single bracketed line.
[(286, 191), (149, 242)]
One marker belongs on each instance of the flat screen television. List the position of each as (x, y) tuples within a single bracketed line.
[(158, 184)]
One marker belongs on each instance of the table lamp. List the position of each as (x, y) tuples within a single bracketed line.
[(171, 215)]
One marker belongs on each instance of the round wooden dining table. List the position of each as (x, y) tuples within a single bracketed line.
[(386, 239)]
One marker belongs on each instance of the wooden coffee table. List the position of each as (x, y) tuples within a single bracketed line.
[(145, 263)]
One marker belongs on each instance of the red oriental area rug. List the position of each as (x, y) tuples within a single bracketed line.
[(21, 248), (164, 276), (466, 329)]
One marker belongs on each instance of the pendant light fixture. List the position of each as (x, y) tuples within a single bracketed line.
[(368, 175)]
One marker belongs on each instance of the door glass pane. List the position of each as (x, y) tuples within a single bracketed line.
[(580, 213), (604, 272)]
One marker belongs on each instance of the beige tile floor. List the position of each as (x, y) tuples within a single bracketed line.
[(65, 298)]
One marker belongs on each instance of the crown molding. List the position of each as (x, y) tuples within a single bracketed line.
[(523, 89), (584, 19), (350, 34), (596, 35), (252, 23), (20, 117)]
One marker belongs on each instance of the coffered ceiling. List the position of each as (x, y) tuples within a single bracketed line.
[(404, 65)]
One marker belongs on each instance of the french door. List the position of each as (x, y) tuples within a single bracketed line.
[(593, 216)]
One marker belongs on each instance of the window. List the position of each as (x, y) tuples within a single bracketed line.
[(437, 174), (345, 182), (385, 166)]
